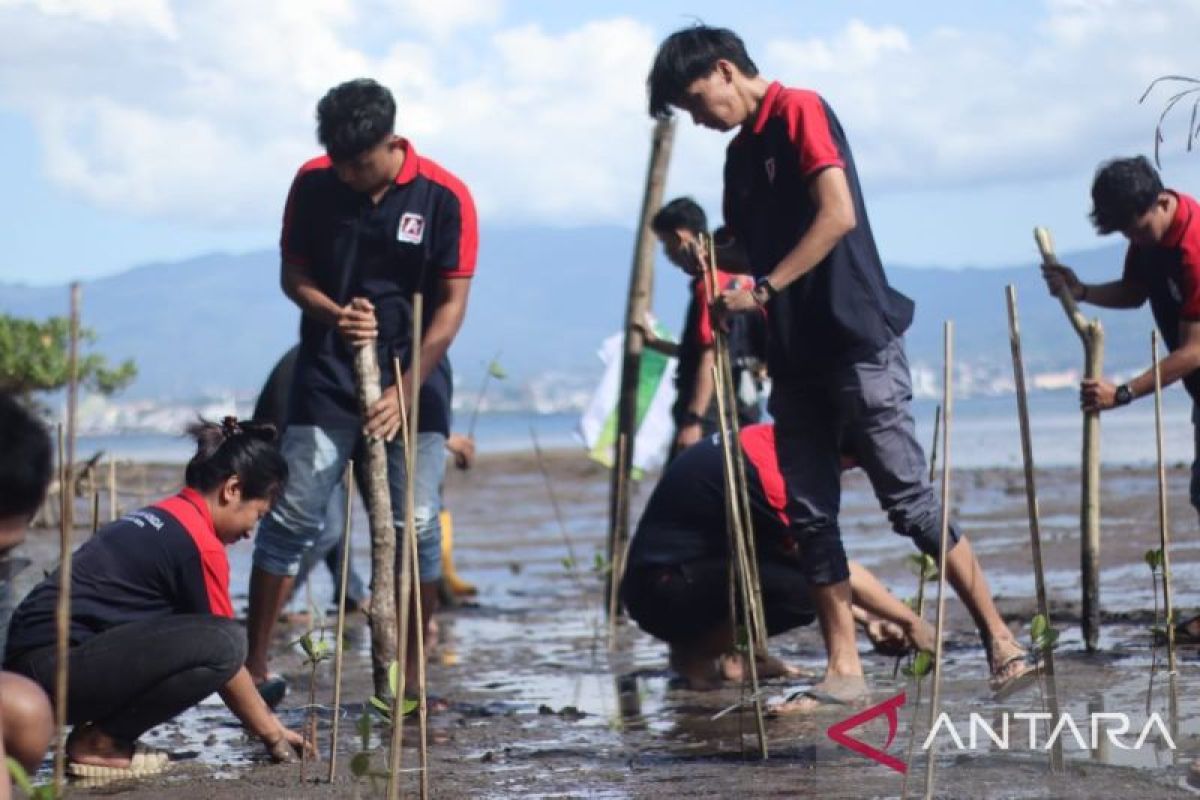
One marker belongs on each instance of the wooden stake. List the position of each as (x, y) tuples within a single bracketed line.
[(1031, 505), (615, 567), (640, 285), (63, 616), (343, 580), (95, 512), (937, 421), (1091, 334), (1164, 533), (382, 612), (112, 489), (947, 397)]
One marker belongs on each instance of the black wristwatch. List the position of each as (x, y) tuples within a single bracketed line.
[(764, 292), (1123, 395), (690, 418)]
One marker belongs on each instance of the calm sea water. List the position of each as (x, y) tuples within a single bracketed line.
[(984, 433)]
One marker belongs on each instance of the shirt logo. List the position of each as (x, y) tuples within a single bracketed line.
[(412, 229), (770, 165)]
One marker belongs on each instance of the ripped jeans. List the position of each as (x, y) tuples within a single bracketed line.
[(316, 459)]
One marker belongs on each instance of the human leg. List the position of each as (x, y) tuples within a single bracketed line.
[(28, 722), (880, 430), (316, 459), (118, 688)]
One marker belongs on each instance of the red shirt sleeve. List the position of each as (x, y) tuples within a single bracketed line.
[(1189, 287), (808, 128), (456, 246)]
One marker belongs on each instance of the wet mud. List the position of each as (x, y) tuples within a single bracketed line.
[(541, 706)]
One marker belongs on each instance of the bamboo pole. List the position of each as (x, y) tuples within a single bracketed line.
[(615, 568), (382, 610), (95, 511), (1164, 533), (339, 642), (112, 489), (640, 284), (948, 408), (1091, 334), (63, 618), (1031, 505)]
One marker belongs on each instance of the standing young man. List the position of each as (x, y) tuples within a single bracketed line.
[(1162, 265), (795, 217), (679, 226), (366, 226)]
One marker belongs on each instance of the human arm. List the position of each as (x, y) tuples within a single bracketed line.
[(1121, 293), (1100, 395), (702, 393), (835, 218), (462, 447), (872, 597), (383, 420), (243, 699)]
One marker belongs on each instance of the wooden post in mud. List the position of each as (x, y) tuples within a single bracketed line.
[(382, 610), (1164, 534), (339, 640), (1031, 505), (640, 283), (947, 415), (1091, 334)]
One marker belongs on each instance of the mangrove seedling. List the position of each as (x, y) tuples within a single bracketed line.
[(1044, 638), (316, 650), (382, 706)]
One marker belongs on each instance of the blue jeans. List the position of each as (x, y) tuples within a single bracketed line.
[(328, 548), (316, 459)]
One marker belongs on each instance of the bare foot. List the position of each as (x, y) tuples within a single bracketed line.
[(733, 668), (697, 673), (87, 744)]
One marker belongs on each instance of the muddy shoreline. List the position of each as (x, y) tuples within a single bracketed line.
[(540, 707)]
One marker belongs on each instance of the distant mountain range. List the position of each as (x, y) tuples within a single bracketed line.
[(544, 297)]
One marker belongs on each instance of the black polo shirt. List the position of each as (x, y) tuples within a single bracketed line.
[(1170, 274), (844, 309), (422, 230)]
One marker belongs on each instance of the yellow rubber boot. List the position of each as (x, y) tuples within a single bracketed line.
[(454, 584)]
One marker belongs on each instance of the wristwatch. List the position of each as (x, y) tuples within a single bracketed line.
[(1123, 396), (764, 292)]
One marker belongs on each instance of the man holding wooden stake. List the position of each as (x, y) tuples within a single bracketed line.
[(365, 227), (1162, 265), (795, 217)]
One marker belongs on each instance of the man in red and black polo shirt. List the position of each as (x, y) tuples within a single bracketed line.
[(366, 226), (1162, 265), (795, 217), (679, 226)]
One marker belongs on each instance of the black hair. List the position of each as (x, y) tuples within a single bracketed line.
[(353, 117), (25, 460), (689, 54), (228, 448), (682, 212), (1123, 190)]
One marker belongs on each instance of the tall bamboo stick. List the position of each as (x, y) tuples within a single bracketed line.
[(112, 488), (1164, 533), (948, 409), (640, 285), (339, 641), (1091, 334), (615, 568), (63, 617), (1031, 504), (382, 612)]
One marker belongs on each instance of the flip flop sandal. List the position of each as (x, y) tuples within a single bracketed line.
[(1003, 688), (146, 761), (823, 698), (272, 690)]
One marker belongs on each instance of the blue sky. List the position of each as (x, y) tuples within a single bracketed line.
[(141, 130)]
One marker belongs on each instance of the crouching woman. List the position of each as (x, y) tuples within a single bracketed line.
[(152, 630)]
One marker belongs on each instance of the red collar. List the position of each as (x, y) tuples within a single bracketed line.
[(1179, 223), (197, 501), (412, 163), (767, 106)]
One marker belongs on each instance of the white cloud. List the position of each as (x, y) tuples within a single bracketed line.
[(958, 107), (202, 111)]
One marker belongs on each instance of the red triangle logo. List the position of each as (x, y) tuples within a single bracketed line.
[(840, 732)]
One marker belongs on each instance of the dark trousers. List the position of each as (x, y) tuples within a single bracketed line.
[(863, 409), (135, 676)]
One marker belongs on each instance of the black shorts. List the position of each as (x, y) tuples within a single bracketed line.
[(682, 602)]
